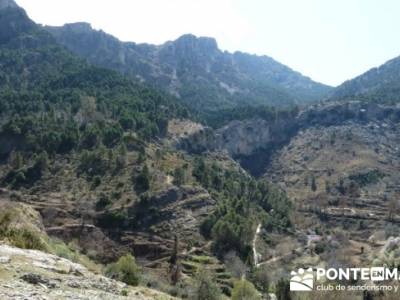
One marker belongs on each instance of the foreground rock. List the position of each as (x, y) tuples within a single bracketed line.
[(32, 274)]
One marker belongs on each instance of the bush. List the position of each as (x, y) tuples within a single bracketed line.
[(20, 237), (260, 278), (125, 270), (244, 290), (112, 219), (142, 182), (282, 290), (26, 239), (103, 202), (206, 288)]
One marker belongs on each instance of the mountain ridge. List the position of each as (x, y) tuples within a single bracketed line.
[(379, 84), (8, 3), (195, 69)]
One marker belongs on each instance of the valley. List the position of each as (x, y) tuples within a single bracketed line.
[(181, 171)]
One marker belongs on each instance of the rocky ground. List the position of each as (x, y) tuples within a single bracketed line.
[(32, 274), (343, 181)]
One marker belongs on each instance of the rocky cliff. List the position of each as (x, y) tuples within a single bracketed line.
[(195, 69), (256, 139)]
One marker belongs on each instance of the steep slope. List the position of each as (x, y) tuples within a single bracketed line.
[(338, 163), (49, 97), (35, 266), (343, 181), (378, 84), (33, 274), (195, 70), (88, 149)]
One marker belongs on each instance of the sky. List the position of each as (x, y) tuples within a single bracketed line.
[(329, 41)]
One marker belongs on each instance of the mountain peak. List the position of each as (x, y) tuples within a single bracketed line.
[(79, 26), (8, 4), (192, 41)]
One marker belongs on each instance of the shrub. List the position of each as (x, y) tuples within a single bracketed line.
[(26, 239), (260, 278), (112, 219), (20, 237), (366, 178), (93, 163), (206, 288), (142, 182), (96, 181), (283, 290), (103, 202), (125, 270), (244, 290)]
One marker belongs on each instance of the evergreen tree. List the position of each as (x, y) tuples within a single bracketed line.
[(142, 183), (283, 290), (313, 184), (179, 176)]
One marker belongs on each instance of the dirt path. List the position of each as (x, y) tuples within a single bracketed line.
[(256, 256)]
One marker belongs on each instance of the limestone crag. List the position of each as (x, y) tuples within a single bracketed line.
[(32, 274), (244, 138)]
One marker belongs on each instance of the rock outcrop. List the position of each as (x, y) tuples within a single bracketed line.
[(36, 275), (256, 139), (173, 212), (195, 69), (7, 4)]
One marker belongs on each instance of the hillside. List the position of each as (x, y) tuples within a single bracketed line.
[(49, 97), (376, 85), (195, 70), (52, 271), (344, 184), (93, 153), (111, 188), (337, 163)]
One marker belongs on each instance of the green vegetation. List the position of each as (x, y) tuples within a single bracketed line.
[(244, 290), (378, 85), (313, 184), (207, 79), (180, 176), (370, 177), (22, 237), (206, 288), (282, 290), (125, 270), (242, 202), (86, 136), (26, 176), (142, 181), (62, 103)]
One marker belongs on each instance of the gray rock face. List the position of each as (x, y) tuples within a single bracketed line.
[(7, 3), (176, 211), (32, 274), (248, 137), (194, 69)]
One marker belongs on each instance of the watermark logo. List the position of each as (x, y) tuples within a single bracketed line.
[(302, 280), (358, 279)]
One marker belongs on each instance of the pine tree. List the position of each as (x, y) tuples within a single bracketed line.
[(313, 184), (179, 176), (143, 180)]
